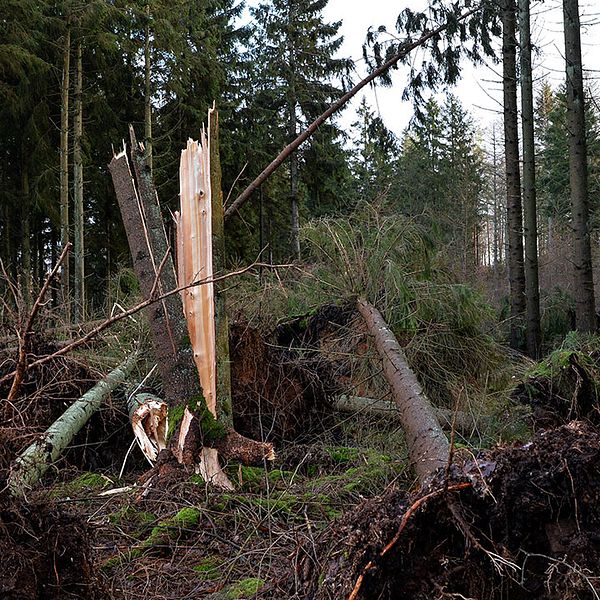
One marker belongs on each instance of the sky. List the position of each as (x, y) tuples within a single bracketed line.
[(480, 89)]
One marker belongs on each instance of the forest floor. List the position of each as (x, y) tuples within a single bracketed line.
[(336, 515)]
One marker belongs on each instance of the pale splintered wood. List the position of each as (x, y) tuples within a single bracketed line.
[(35, 460), (150, 422), (195, 260)]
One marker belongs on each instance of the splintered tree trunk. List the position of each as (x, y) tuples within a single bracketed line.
[(78, 245), (154, 268), (36, 459), (532, 287), (223, 375), (427, 445), (516, 271), (64, 171), (585, 312)]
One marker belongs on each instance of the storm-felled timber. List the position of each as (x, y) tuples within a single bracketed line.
[(427, 445), (33, 462), (196, 227)]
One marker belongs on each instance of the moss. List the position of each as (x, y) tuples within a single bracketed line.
[(172, 527), (85, 482), (209, 569), (243, 589), (211, 429), (195, 478), (131, 515), (342, 454)]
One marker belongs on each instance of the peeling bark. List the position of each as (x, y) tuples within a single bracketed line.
[(427, 445)]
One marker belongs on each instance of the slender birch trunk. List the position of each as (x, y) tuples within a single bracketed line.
[(37, 458)]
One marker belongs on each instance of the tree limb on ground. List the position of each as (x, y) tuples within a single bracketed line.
[(34, 461)]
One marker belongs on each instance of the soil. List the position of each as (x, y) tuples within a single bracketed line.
[(46, 553), (529, 529), (524, 525)]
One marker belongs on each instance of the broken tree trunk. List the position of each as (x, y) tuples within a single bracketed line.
[(427, 445), (199, 225), (35, 460), (149, 418)]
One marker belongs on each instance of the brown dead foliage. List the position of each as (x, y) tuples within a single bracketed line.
[(529, 529)]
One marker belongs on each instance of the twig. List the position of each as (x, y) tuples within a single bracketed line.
[(25, 333), (106, 324), (407, 515)]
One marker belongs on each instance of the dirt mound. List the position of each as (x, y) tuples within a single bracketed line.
[(46, 554), (281, 382), (530, 528)]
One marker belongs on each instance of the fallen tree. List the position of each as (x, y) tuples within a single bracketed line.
[(35, 460), (427, 445)]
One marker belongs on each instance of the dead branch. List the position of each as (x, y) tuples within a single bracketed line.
[(138, 307), (25, 333)]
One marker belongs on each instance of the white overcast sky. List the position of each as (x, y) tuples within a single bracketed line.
[(480, 89)]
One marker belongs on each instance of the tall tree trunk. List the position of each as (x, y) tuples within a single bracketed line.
[(585, 311), (516, 271), (64, 171), (147, 92), (224, 406), (26, 273), (427, 445), (533, 330), (497, 226), (78, 245)]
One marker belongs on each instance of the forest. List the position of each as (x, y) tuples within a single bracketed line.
[(255, 343)]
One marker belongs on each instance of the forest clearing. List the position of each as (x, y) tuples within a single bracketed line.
[(246, 353)]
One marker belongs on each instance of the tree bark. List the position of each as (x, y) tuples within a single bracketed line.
[(427, 445), (143, 225), (64, 171), (147, 92), (585, 310), (516, 270), (35, 460), (532, 288), (78, 229), (223, 375)]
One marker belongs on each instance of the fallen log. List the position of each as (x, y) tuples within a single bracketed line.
[(35, 460), (463, 422), (427, 445)]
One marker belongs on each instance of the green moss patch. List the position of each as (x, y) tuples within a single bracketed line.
[(209, 569), (243, 589)]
